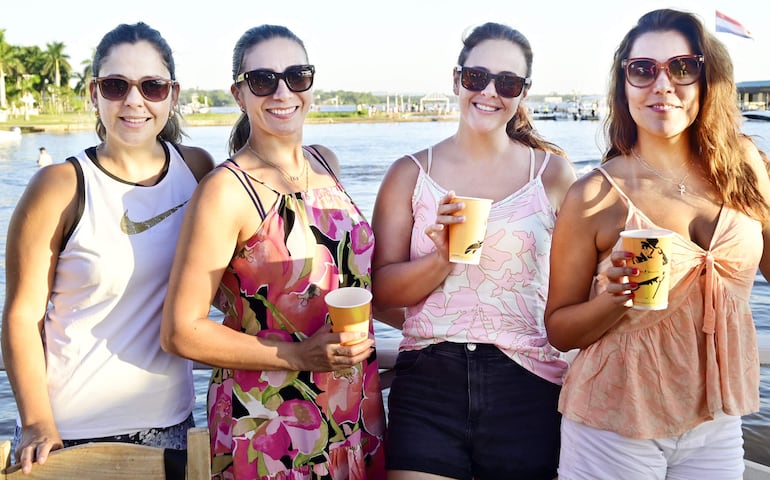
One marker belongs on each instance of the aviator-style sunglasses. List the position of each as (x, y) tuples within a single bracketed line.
[(262, 82), (116, 87), (507, 85), (682, 70)]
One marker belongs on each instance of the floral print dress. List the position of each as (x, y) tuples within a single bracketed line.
[(296, 424)]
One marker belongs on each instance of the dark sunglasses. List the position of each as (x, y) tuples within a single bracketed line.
[(682, 70), (116, 88), (261, 82), (507, 85)]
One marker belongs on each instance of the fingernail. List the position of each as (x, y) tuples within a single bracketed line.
[(634, 271)]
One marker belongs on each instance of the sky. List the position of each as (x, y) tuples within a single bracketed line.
[(386, 47)]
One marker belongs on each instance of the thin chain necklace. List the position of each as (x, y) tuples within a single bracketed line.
[(291, 178), (680, 184)]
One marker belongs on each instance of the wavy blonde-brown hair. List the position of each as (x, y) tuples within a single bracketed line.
[(715, 134)]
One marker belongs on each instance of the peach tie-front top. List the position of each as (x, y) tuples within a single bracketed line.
[(660, 373)]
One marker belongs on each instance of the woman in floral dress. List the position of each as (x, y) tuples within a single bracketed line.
[(269, 233)]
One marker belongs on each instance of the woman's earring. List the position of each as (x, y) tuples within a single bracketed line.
[(170, 114), (97, 113)]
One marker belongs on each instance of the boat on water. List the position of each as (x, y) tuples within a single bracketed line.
[(12, 135), (757, 115)]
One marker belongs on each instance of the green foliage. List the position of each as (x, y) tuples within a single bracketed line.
[(344, 97), (319, 115), (216, 98)]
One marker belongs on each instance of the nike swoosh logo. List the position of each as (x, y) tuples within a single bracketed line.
[(131, 227)]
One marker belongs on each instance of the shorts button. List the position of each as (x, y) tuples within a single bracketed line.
[(471, 347)]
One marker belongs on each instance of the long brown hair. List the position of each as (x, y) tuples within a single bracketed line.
[(715, 134), (519, 128)]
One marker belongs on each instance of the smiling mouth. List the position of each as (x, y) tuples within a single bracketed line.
[(282, 111), (659, 106), (485, 108)]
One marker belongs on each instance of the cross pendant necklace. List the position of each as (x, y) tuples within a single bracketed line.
[(680, 185)]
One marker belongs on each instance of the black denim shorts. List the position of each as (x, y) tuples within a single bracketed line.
[(468, 411)]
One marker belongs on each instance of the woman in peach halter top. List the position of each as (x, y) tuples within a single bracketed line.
[(657, 394)]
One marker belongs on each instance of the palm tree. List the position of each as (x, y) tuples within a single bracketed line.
[(6, 58), (83, 79), (56, 62)]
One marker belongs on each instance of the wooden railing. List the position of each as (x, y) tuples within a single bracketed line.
[(387, 350)]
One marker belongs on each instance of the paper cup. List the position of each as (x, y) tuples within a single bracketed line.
[(350, 309), (652, 256), (467, 238)]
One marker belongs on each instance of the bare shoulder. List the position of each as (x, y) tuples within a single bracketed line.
[(57, 181), (405, 169), (559, 168), (590, 192), (329, 156), (198, 159), (50, 197)]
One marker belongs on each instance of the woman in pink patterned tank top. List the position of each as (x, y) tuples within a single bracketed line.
[(476, 381)]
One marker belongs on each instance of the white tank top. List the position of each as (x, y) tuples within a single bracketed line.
[(107, 374)]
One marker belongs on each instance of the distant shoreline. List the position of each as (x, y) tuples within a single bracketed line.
[(82, 122)]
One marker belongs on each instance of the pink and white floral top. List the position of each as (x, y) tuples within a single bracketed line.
[(502, 299)]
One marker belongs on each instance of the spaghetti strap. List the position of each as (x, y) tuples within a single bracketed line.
[(614, 185), (414, 159), (247, 186), (430, 160), (317, 155), (542, 167)]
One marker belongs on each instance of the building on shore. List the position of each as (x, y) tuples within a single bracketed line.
[(754, 95)]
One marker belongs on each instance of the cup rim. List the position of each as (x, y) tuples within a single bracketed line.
[(330, 296), (647, 233), (478, 199)]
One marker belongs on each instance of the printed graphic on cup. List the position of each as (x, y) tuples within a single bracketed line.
[(467, 239), (652, 256), (350, 309)]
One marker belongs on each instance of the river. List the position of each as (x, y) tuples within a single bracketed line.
[(365, 151)]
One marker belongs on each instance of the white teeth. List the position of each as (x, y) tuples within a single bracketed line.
[(282, 111), (486, 108)]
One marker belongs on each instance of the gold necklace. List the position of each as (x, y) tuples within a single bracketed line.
[(291, 178), (680, 184)]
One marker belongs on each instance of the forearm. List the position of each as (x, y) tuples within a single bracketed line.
[(24, 360), (408, 283), (209, 342), (580, 325)]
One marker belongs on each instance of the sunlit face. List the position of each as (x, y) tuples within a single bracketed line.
[(282, 113), (133, 120), (662, 109), (486, 110)]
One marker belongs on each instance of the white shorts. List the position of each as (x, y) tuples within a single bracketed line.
[(711, 451)]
